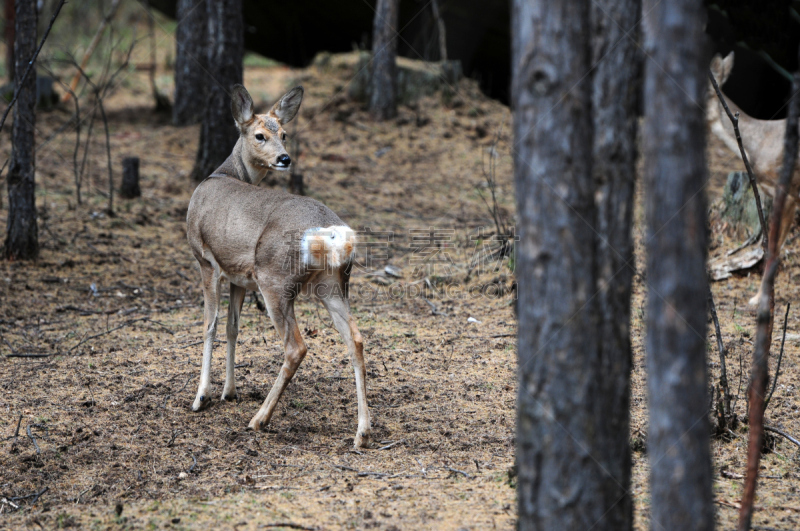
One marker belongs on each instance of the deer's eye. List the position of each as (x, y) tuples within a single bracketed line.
[(260, 137), (284, 137)]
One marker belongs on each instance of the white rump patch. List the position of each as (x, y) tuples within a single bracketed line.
[(332, 246)]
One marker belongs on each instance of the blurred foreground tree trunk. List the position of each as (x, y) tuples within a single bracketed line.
[(559, 478), (8, 34), (225, 53), (575, 143), (383, 83), (22, 240), (675, 174), (191, 62), (615, 95)]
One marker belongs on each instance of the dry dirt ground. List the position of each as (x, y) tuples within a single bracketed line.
[(114, 307)]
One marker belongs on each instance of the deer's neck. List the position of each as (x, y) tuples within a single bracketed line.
[(237, 166)]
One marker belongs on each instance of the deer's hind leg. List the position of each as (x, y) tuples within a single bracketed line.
[(281, 311), (232, 332), (211, 281), (332, 293)]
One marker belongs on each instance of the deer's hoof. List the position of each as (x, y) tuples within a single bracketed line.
[(229, 396), (201, 403), (361, 440), (256, 424)]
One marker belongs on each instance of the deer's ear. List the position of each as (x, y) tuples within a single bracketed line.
[(727, 65), (722, 68), (241, 105), (286, 109)]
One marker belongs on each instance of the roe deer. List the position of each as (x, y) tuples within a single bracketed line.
[(241, 233), (762, 141)]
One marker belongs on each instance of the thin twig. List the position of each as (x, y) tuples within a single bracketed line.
[(456, 471), (783, 434), (18, 84), (194, 464), (392, 445), (723, 376), (434, 311), (110, 209), (290, 525), (735, 121), (780, 357), (16, 432), (30, 435), (184, 385)]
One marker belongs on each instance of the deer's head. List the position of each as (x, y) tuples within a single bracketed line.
[(262, 135)]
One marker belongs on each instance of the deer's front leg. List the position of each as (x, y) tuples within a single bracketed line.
[(210, 317), (232, 332)]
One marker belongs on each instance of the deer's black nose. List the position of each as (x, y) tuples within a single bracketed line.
[(284, 160)]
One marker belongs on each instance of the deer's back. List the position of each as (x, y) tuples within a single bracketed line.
[(243, 225)]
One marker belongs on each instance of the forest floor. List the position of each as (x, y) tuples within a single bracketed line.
[(101, 422)]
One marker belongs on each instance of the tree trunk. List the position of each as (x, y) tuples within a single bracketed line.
[(615, 89), (22, 241), (191, 62), (558, 430), (9, 37), (675, 174), (383, 84), (218, 134)]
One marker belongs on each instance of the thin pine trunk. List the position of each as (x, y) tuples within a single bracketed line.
[(383, 84), (22, 239)]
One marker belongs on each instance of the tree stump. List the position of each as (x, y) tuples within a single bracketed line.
[(130, 178), (296, 184)]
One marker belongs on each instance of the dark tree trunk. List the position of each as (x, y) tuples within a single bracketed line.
[(218, 134), (22, 240), (9, 37), (130, 178), (675, 174), (615, 89), (558, 430), (191, 62), (383, 84)]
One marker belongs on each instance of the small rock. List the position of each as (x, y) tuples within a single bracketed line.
[(393, 271), (183, 475)]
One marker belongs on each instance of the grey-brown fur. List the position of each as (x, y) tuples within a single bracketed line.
[(249, 236)]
